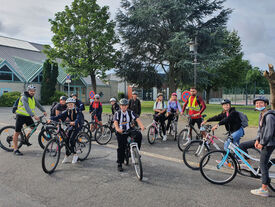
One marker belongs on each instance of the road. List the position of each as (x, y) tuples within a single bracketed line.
[(96, 181)]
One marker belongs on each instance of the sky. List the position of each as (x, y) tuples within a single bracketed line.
[(253, 19)]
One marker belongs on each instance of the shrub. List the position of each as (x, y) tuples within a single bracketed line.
[(56, 96), (8, 99), (120, 95)]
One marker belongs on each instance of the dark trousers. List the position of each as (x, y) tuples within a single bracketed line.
[(170, 118), (122, 144), (161, 119), (247, 145), (264, 159), (72, 133)]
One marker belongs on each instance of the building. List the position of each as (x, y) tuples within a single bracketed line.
[(21, 64)]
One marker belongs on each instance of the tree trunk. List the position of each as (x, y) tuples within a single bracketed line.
[(207, 95), (93, 79), (172, 82), (270, 76)]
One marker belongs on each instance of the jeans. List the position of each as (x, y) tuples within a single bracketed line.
[(236, 138), (264, 159)]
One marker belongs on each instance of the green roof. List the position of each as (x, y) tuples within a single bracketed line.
[(61, 74), (28, 68)]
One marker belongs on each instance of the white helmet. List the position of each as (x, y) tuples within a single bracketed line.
[(31, 87), (112, 99), (97, 96), (70, 100)]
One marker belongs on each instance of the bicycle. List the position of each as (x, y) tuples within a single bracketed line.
[(153, 130), (133, 152), (173, 129), (220, 167), (103, 134), (7, 132), (183, 138), (51, 153)]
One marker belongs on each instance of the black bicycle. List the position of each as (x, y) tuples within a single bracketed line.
[(103, 134), (51, 154)]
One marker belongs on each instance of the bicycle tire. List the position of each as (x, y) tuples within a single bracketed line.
[(127, 156), (207, 164), (182, 139), (193, 153), (152, 134), (43, 138), (6, 138), (175, 131), (83, 141), (107, 132), (53, 151), (271, 170), (87, 130), (137, 164)]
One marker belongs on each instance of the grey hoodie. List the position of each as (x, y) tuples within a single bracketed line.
[(25, 102), (265, 134)]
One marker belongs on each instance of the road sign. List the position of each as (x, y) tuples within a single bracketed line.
[(92, 94), (68, 77), (185, 95), (261, 92), (68, 81)]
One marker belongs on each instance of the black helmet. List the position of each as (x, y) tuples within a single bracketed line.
[(64, 98), (261, 98), (225, 101), (73, 94), (123, 101)]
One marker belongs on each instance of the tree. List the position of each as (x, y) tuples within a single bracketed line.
[(50, 73), (84, 39), (270, 76), (156, 32)]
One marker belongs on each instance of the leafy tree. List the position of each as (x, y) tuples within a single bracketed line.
[(50, 73), (84, 39), (156, 33)]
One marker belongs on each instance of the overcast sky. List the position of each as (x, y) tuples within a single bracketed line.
[(253, 19)]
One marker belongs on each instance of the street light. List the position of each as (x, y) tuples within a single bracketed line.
[(193, 48)]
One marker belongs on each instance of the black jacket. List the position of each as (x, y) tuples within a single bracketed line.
[(135, 106), (115, 108), (73, 115), (232, 122)]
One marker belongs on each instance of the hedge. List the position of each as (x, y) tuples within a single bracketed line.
[(8, 99)]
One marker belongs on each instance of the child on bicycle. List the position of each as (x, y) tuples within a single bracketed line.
[(160, 109), (122, 121), (173, 110), (114, 106), (76, 122), (96, 111)]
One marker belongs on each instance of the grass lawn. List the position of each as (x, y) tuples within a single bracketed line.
[(211, 110)]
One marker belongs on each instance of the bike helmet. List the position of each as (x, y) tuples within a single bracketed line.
[(160, 94), (64, 98), (225, 101), (112, 99), (134, 93), (73, 94), (174, 94), (261, 98), (123, 101), (97, 96), (70, 100), (31, 87)]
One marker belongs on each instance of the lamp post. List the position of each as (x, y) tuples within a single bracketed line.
[(193, 48)]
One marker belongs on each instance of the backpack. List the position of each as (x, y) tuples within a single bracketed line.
[(15, 105), (53, 108), (244, 119)]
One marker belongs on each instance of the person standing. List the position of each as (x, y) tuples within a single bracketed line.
[(134, 104)]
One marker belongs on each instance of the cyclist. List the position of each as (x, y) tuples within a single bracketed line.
[(59, 107), (24, 114), (160, 109), (76, 122), (196, 107), (115, 106), (134, 104), (96, 110), (232, 121), (173, 110), (265, 141), (78, 103), (122, 122)]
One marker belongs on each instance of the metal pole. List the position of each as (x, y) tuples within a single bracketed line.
[(195, 63), (68, 89)]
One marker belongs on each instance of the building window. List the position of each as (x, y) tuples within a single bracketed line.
[(38, 78), (7, 75)]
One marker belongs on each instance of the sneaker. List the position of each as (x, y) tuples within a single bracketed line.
[(65, 160), (260, 192), (17, 153), (75, 158), (119, 168), (28, 143), (164, 138)]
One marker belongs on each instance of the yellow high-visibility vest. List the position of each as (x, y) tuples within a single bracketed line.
[(21, 109), (193, 106)]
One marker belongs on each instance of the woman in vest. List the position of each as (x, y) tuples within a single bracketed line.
[(160, 109), (174, 109)]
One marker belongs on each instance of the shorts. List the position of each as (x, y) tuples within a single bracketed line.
[(21, 120), (198, 121)]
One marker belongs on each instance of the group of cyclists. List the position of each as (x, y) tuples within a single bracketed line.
[(126, 112)]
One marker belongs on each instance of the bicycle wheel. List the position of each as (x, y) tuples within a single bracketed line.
[(86, 130), (43, 138), (214, 171), (271, 170), (103, 135), (86, 123), (51, 156), (193, 153), (6, 138), (83, 145), (175, 131), (127, 156), (152, 134), (183, 139), (137, 163)]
